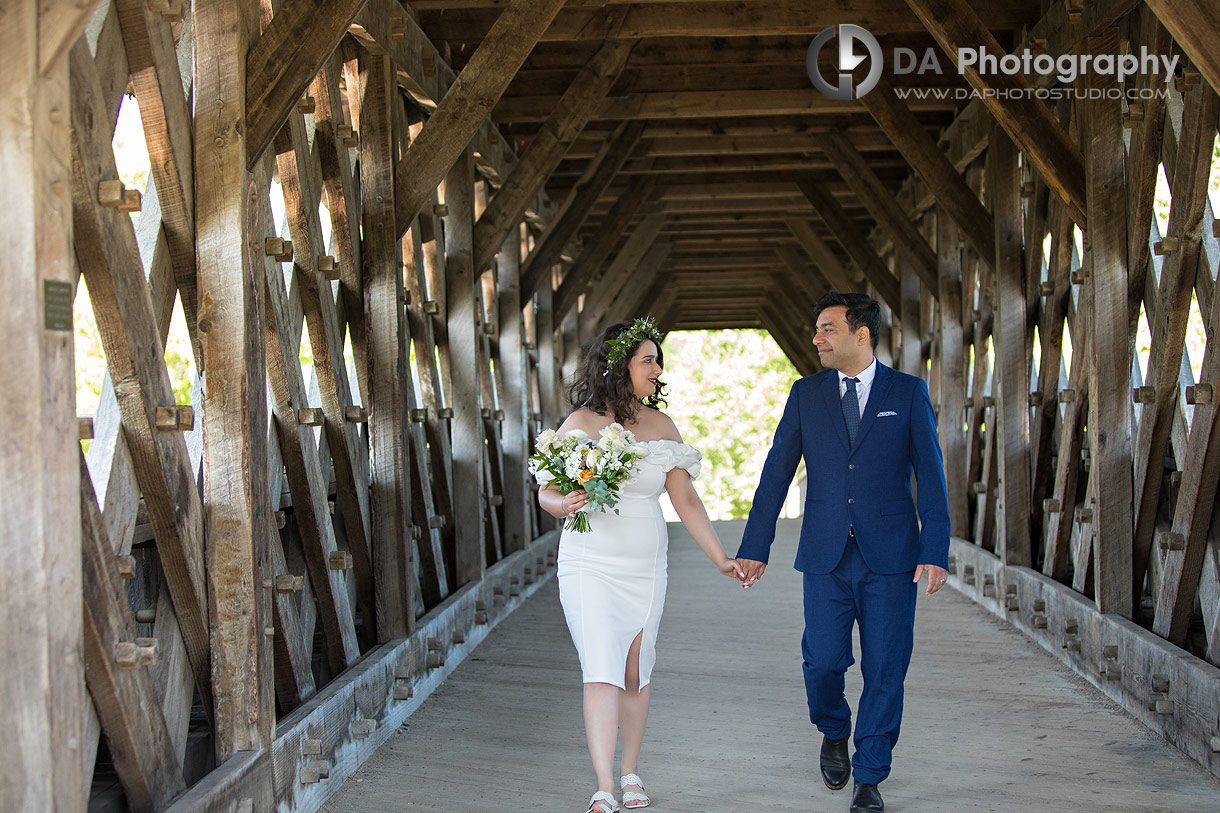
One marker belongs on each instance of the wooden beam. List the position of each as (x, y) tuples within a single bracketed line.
[(108, 257), (444, 137), (880, 202), (1012, 354), (60, 24), (953, 196), (668, 105), (1109, 417), (636, 295), (1188, 199), (462, 321), (824, 259), (952, 390), (606, 236), (579, 203), (547, 148), (390, 473), (708, 19), (1011, 101), (853, 242), (125, 697), (286, 58), (620, 273), (1193, 24), (166, 122), (45, 708), (1192, 517), (236, 500)]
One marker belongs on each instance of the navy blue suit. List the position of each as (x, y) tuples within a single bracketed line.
[(860, 543)]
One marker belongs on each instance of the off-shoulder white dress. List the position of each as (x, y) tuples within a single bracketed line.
[(612, 578)]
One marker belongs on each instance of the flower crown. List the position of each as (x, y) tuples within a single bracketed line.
[(639, 330)]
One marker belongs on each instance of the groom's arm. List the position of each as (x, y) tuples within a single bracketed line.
[(929, 468), (773, 483)]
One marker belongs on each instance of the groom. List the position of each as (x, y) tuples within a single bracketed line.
[(862, 429)]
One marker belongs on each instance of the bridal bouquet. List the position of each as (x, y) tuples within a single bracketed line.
[(575, 461)]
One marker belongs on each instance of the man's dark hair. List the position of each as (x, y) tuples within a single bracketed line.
[(862, 311)]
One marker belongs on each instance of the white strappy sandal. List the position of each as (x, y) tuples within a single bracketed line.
[(604, 802), (631, 799)]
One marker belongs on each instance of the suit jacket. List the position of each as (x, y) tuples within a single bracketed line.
[(865, 487)]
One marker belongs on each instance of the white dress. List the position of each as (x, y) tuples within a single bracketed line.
[(612, 578)]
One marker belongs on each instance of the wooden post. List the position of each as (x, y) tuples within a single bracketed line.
[(237, 506), (1110, 442), (390, 475), (912, 336), (42, 681), (513, 361), (461, 287), (952, 391), (1012, 355)]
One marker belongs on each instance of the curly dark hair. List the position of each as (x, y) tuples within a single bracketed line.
[(608, 389)]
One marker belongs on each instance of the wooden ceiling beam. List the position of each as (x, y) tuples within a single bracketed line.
[(714, 19), (460, 114), (685, 165), (1027, 120), (854, 243), (762, 142), (622, 269), (880, 202), (1193, 24), (546, 150), (823, 256), (577, 206), (285, 59), (942, 178), (591, 258), (699, 104)]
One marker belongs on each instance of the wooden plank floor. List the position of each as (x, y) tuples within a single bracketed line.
[(992, 723)]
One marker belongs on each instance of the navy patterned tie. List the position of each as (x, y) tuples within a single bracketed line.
[(851, 409)]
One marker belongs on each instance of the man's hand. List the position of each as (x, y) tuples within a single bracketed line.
[(937, 577), (752, 571)]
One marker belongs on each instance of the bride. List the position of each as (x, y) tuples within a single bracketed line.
[(612, 578)]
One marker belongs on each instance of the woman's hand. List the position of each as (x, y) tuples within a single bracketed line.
[(573, 501), (730, 568)]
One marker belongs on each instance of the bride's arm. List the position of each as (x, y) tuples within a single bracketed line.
[(549, 498), (686, 502), (561, 505)]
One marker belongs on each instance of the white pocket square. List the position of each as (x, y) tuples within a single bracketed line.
[(887, 414)]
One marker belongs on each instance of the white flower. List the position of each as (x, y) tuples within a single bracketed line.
[(595, 455), (543, 476), (613, 432), (546, 439), (576, 434)]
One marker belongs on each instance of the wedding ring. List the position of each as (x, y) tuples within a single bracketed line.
[(942, 581)]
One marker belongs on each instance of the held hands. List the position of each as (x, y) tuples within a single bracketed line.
[(937, 577), (751, 571), (730, 567)]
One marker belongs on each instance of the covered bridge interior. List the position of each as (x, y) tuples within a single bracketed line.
[(388, 228)]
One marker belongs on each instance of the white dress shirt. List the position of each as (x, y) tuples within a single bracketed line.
[(865, 384)]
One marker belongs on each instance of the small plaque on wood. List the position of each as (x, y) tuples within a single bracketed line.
[(56, 304)]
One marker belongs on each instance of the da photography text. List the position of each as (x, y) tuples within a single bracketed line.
[(856, 44)]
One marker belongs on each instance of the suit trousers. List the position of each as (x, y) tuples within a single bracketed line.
[(884, 607)]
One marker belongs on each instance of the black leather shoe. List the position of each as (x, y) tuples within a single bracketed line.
[(836, 765), (866, 799)]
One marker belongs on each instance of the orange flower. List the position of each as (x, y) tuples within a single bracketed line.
[(585, 476)]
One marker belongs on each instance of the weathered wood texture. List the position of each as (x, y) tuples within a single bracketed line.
[(312, 433)]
